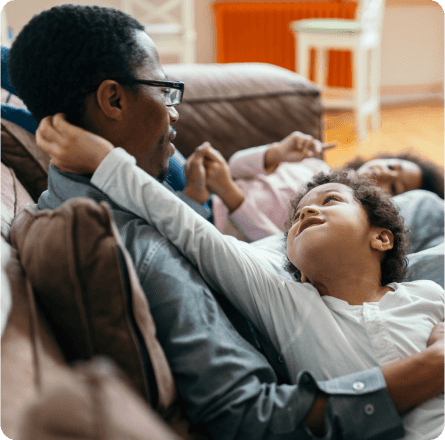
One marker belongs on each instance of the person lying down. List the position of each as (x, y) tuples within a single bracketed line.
[(347, 307)]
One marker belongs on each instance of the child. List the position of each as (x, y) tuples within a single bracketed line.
[(346, 242)]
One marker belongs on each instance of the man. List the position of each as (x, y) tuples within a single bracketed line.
[(82, 61)]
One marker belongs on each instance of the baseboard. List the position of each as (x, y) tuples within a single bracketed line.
[(411, 97), (393, 94)]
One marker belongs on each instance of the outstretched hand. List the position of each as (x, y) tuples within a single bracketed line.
[(71, 148), (295, 148)]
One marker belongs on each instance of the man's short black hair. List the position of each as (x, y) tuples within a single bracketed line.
[(432, 174), (66, 49), (381, 211)]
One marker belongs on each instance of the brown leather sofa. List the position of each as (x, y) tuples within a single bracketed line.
[(44, 396)]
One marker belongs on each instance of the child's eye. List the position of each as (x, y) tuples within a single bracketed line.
[(330, 198), (167, 92)]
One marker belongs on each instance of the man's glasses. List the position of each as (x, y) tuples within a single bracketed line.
[(173, 93)]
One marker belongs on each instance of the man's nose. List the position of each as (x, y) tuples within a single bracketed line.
[(173, 113), (308, 211)]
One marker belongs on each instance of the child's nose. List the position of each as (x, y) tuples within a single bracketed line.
[(308, 211)]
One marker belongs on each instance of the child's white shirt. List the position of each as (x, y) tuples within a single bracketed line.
[(324, 335)]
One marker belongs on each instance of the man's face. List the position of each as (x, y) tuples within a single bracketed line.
[(395, 176), (330, 226), (148, 131)]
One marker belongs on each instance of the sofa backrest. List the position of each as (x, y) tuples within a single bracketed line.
[(29, 162), (243, 105)]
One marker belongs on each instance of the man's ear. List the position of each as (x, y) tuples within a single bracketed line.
[(382, 239), (111, 99)]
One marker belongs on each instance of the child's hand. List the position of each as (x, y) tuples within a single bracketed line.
[(298, 146), (294, 148), (195, 176), (218, 175), (218, 178), (72, 149)]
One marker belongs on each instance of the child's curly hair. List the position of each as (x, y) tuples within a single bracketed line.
[(381, 212)]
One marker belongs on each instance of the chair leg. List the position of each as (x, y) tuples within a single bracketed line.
[(321, 67), (375, 87), (303, 56), (360, 70)]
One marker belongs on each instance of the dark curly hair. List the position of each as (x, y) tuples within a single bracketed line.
[(381, 212), (432, 174), (67, 49)]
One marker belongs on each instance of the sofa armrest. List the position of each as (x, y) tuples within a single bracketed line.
[(242, 105)]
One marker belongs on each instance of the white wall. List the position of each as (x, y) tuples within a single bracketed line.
[(412, 50)]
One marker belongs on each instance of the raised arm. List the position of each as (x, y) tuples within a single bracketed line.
[(221, 260)]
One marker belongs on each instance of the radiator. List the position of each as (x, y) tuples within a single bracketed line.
[(259, 32)]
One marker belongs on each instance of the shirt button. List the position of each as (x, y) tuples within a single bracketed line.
[(358, 386), (280, 360), (369, 409)]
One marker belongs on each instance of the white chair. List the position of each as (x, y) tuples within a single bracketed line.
[(359, 36), (169, 23)]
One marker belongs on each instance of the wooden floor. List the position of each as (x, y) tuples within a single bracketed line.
[(418, 127)]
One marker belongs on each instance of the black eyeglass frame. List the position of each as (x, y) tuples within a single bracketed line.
[(178, 85)]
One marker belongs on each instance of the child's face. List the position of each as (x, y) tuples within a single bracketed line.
[(330, 227), (395, 176)]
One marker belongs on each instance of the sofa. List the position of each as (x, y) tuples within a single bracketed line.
[(61, 376)]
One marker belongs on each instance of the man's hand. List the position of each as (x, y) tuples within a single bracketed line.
[(195, 175), (294, 148), (218, 178), (72, 149)]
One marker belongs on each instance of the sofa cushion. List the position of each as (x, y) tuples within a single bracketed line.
[(22, 375), (20, 152), (6, 299), (242, 105), (92, 402), (14, 198), (86, 285)]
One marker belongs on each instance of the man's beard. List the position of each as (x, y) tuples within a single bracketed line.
[(164, 174)]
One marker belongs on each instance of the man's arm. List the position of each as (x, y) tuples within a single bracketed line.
[(227, 385), (409, 381)]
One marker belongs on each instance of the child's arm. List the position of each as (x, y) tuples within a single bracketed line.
[(265, 159), (223, 261)]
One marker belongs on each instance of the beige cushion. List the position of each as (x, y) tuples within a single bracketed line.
[(20, 152)]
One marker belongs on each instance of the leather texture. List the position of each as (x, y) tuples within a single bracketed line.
[(71, 260), (14, 198), (20, 152), (242, 105)]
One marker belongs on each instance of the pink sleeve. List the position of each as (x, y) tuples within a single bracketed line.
[(245, 163)]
